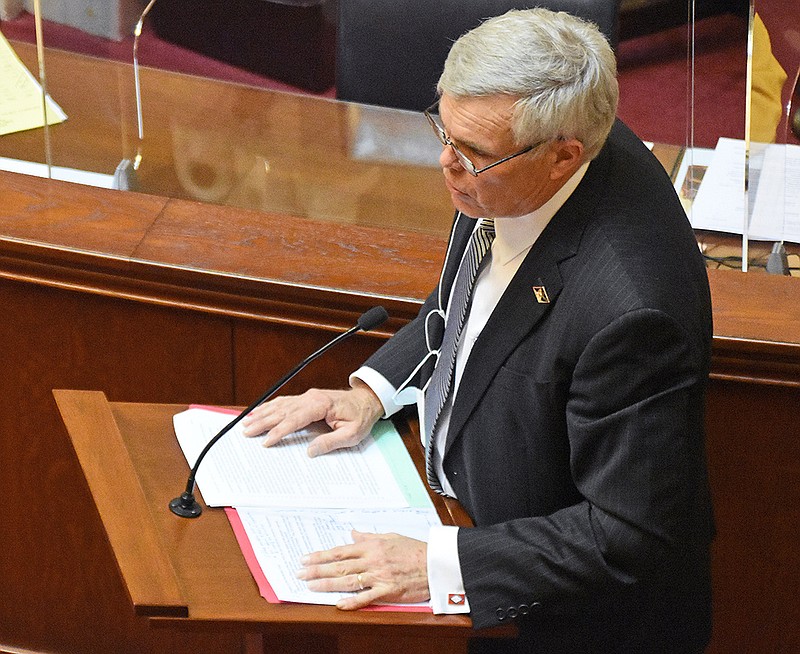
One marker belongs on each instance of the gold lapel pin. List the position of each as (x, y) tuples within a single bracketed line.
[(541, 294)]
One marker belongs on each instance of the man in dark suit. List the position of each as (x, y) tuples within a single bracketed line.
[(566, 413)]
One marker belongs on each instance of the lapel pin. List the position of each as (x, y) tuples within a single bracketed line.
[(541, 294)]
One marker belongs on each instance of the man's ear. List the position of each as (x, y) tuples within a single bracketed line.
[(568, 157)]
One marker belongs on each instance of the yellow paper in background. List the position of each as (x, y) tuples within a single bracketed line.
[(21, 95)]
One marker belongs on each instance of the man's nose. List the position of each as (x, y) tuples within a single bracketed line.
[(448, 159)]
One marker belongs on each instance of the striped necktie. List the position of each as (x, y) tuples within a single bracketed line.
[(442, 377)]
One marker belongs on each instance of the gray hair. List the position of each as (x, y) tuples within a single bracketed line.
[(561, 68)]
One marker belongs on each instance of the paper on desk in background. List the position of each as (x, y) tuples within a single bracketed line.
[(777, 206), (274, 540), (240, 472), (21, 95), (774, 191), (719, 202), (85, 177)]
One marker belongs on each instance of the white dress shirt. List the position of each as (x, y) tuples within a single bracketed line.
[(514, 238)]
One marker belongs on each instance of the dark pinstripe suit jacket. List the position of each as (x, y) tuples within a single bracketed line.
[(576, 439)]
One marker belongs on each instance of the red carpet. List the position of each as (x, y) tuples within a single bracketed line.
[(652, 73), (653, 82)]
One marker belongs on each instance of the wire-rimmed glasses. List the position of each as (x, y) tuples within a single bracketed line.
[(463, 159)]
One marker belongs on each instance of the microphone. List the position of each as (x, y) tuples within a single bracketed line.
[(185, 505)]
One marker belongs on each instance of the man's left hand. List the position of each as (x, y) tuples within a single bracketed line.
[(379, 568)]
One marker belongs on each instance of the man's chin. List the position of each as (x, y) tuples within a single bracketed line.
[(463, 202)]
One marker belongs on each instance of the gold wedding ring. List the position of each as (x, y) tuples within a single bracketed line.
[(360, 582)]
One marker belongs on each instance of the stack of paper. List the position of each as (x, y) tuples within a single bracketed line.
[(285, 505), (769, 211)]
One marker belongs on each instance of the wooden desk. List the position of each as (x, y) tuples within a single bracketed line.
[(164, 299), (241, 146)]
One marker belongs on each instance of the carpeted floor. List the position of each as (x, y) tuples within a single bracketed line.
[(153, 51), (652, 73), (654, 82)]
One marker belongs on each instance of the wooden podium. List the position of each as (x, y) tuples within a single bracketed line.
[(191, 573)]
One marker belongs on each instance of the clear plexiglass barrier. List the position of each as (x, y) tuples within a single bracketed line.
[(191, 99), (747, 181)]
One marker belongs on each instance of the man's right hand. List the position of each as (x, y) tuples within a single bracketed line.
[(350, 414)]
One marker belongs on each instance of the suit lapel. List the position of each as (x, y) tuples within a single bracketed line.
[(515, 316), (522, 307)]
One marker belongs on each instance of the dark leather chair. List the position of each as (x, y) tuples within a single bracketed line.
[(391, 52), (289, 40)]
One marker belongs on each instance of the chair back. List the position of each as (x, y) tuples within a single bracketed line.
[(391, 52)]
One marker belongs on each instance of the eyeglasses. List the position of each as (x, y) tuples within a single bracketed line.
[(463, 159)]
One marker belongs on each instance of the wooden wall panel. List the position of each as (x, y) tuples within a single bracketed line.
[(264, 352), (754, 466), (60, 589)]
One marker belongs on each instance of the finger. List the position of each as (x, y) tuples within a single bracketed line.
[(331, 563), (325, 571), (290, 424), (361, 600), (256, 422), (343, 437), (266, 416), (252, 427), (290, 414), (349, 554), (291, 418), (352, 583), (363, 536)]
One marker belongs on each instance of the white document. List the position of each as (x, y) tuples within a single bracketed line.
[(776, 213), (21, 95), (719, 203), (774, 192), (279, 539), (241, 472)]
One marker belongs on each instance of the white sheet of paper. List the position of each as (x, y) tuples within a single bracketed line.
[(240, 472), (21, 95), (719, 204), (279, 539), (774, 193), (73, 175), (776, 214)]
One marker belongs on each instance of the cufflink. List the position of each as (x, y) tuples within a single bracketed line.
[(455, 599)]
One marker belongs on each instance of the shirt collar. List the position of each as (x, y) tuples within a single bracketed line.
[(518, 234)]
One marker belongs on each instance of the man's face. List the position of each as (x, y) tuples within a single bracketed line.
[(481, 128)]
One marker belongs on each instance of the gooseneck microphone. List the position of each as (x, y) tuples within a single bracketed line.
[(186, 505)]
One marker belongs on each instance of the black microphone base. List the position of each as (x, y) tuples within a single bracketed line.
[(185, 506)]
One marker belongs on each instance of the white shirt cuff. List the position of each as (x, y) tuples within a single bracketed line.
[(444, 571), (381, 387)]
